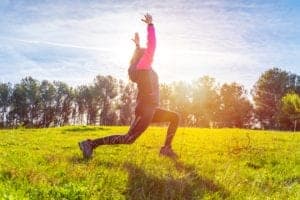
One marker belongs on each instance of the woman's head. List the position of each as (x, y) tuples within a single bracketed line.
[(137, 54)]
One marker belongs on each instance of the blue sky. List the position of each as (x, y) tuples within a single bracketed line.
[(73, 41)]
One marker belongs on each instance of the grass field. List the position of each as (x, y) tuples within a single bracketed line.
[(213, 164)]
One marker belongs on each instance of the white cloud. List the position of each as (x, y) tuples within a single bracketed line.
[(230, 40)]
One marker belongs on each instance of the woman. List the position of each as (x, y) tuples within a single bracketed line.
[(146, 111)]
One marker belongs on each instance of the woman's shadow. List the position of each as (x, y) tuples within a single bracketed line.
[(190, 186)]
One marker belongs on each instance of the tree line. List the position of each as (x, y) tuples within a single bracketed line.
[(273, 102)]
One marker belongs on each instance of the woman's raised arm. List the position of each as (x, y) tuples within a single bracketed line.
[(147, 58)]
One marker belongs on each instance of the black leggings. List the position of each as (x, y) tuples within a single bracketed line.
[(144, 116)]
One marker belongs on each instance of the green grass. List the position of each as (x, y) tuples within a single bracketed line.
[(213, 164)]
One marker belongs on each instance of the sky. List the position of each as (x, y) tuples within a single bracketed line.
[(73, 41)]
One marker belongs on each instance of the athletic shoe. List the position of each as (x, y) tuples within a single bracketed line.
[(168, 151), (86, 148)]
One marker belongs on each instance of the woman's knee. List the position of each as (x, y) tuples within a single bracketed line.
[(175, 118)]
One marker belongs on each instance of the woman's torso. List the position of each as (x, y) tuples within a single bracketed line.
[(148, 87)]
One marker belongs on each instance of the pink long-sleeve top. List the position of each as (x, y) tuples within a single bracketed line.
[(147, 58)]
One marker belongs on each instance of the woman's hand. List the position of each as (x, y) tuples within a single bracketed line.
[(136, 39), (147, 19)]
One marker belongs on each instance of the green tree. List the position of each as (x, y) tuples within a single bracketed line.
[(267, 94), (291, 107), (106, 88), (83, 99), (32, 95), (294, 83), (25, 103), (63, 103), (126, 104), (165, 91), (18, 107), (47, 111), (92, 104), (205, 101), (5, 97), (180, 101), (236, 110)]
